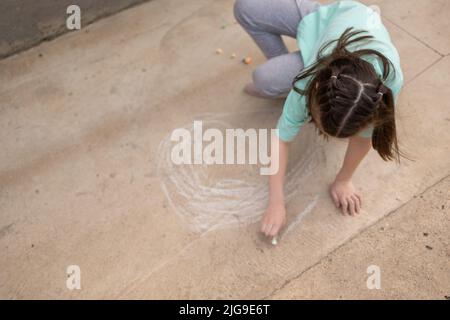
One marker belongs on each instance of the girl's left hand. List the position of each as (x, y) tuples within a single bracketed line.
[(346, 197)]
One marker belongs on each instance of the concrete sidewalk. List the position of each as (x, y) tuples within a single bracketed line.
[(84, 128)]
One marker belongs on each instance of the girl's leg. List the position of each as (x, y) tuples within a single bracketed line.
[(266, 21), (273, 78)]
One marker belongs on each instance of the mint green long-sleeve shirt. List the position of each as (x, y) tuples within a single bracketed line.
[(326, 24)]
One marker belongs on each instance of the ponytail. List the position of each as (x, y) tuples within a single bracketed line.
[(384, 137)]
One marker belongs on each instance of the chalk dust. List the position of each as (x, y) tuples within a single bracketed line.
[(208, 197)]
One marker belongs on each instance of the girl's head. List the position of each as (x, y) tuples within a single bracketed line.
[(345, 95)]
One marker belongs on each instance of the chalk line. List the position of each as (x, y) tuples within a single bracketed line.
[(220, 196), (300, 217)]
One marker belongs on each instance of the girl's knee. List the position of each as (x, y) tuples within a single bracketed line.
[(262, 81), (242, 10)]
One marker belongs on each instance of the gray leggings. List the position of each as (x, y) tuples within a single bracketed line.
[(266, 21)]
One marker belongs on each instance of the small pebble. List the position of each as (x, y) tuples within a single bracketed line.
[(233, 55), (219, 51), (247, 60)]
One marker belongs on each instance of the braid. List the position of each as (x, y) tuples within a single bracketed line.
[(361, 91)]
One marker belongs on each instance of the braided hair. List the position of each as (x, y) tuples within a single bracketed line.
[(349, 95)]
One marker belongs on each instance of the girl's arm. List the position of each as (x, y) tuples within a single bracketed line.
[(275, 215), (343, 192)]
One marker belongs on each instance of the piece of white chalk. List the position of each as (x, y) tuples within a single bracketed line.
[(274, 241)]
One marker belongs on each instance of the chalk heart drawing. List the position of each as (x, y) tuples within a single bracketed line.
[(209, 197)]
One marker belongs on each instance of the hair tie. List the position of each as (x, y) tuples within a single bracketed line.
[(380, 93), (333, 77)]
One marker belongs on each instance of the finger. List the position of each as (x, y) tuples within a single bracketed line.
[(264, 228), (360, 198), (274, 230), (357, 204), (351, 206), (335, 199), (270, 229), (344, 204)]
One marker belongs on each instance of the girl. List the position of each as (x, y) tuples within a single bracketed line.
[(345, 79)]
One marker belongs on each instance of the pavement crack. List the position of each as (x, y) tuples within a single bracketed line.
[(424, 70), (282, 286), (415, 37)]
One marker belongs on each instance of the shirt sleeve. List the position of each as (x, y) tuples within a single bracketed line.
[(395, 83), (293, 117), (366, 133)]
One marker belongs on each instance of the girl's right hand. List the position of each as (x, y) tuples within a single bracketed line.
[(273, 220)]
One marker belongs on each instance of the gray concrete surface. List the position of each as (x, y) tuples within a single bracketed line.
[(411, 247), (25, 23)]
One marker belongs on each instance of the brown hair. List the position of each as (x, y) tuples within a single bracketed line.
[(350, 95)]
